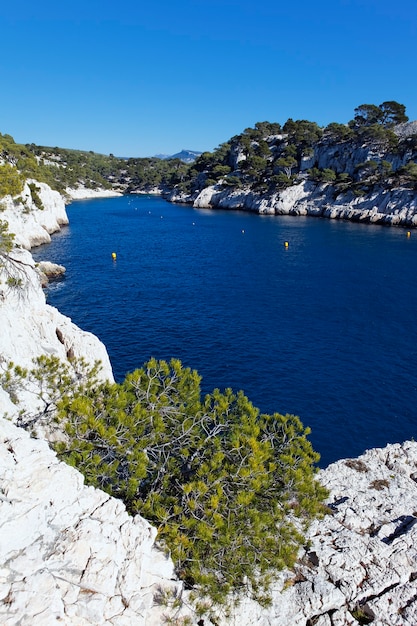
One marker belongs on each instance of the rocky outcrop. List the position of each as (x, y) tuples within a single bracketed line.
[(49, 271), (395, 207), (367, 176), (361, 566), (71, 553), (30, 327), (33, 225)]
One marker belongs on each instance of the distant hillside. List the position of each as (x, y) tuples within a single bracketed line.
[(63, 168)]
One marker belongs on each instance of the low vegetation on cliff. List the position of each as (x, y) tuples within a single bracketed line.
[(230, 490)]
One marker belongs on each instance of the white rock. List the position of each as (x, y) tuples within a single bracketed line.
[(33, 226), (396, 207), (85, 566), (83, 193)]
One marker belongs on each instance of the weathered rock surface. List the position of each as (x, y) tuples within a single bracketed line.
[(395, 207), (49, 271), (362, 561), (33, 226), (70, 554)]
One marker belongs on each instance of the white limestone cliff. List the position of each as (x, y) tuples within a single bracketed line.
[(382, 204), (31, 225), (83, 193), (395, 207), (71, 554), (29, 326)]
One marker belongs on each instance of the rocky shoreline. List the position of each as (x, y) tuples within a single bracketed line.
[(72, 554), (396, 207)]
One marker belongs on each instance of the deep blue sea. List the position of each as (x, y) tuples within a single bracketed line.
[(324, 329)]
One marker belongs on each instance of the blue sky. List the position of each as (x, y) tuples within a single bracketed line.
[(136, 79)]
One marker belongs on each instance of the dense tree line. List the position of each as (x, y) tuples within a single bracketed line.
[(269, 157), (70, 168)]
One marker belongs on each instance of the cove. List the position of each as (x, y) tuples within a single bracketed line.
[(323, 328)]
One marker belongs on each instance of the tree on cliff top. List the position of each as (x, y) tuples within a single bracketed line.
[(230, 490), (387, 114)]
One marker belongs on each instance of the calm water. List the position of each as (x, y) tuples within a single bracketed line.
[(323, 329)]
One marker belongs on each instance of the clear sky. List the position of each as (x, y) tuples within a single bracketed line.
[(137, 78)]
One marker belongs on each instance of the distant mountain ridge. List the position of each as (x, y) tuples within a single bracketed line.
[(187, 156)]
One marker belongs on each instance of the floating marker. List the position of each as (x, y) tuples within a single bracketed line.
[(113, 256), (286, 244), (408, 233), (243, 231)]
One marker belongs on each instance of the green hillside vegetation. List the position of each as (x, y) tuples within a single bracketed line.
[(61, 168), (270, 157), (69, 168), (265, 159), (18, 159), (229, 489)]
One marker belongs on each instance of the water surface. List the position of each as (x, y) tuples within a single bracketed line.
[(323, 329)]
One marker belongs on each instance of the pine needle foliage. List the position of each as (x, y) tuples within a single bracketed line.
[(229, 489), (11, 182), (6, 240)]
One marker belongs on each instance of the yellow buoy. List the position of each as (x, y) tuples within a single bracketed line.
[(286, 244), (408, 233), (113, 256)]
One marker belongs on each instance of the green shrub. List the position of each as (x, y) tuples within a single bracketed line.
[(14, 282), (6, 239), (11, 182), (229, 489), (34, 191)]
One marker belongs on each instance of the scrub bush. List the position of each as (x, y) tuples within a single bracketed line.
[(229, 489)]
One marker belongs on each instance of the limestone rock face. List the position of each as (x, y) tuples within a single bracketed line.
[(395, 207), (71, 554), (49, 271), (362, 562), (32, 225), (30, 327)]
